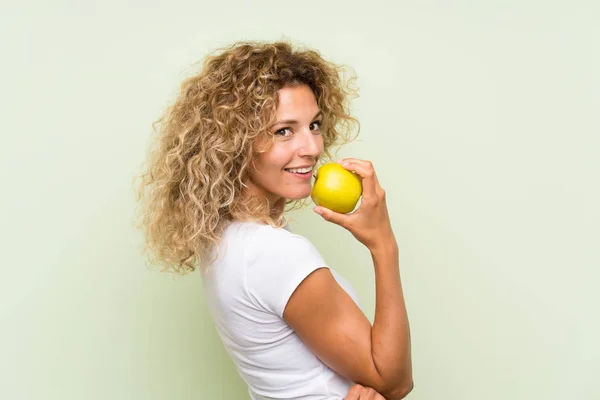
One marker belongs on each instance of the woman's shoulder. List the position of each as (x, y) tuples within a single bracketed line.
[(259, 231), (271, 236), (272, 243), (260, 241)]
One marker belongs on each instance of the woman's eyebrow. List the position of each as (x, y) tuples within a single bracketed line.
[(293, 121)]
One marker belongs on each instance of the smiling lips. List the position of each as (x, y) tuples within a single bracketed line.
[(304, 173), (301, 170)]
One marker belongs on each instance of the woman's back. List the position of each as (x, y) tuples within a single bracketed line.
[(247, 288)]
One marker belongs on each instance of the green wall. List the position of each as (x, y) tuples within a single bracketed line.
[(481, 119)]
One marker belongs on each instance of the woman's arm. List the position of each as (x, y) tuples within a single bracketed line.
[(333, 326)]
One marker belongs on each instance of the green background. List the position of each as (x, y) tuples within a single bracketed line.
[(481, 119)]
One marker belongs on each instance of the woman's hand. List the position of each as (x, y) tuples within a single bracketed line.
[(358, 392), (370, 223)]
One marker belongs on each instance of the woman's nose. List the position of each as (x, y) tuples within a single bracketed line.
[(311, 144)]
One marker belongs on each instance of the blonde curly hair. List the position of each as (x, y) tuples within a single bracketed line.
[(193, 181)]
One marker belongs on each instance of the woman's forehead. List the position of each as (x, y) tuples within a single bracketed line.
[(295, 100)]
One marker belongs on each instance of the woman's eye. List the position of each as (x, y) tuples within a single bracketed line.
[(283, 131)]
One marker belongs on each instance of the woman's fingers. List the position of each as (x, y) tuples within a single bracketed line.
[(365, 170), (359, 392), (353, 393), (332, 216)]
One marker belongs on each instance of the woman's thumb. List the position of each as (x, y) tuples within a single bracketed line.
[(329, 215)]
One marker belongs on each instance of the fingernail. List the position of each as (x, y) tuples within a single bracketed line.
[(318, 211)]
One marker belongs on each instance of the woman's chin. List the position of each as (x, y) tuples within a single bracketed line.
[(299, 196)]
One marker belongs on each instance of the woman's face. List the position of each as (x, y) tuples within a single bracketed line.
[(285, 170)]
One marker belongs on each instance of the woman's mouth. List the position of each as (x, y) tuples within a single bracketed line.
[(303, 173)]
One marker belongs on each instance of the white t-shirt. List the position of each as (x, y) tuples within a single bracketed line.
[(247, 289)]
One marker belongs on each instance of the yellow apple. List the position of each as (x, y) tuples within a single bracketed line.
[(336, 188)]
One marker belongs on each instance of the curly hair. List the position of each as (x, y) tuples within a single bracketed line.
[(194, 178)]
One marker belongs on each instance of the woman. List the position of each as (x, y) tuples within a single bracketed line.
[(240, 143)]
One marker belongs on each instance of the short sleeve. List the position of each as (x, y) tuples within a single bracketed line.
[(276, 263)]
